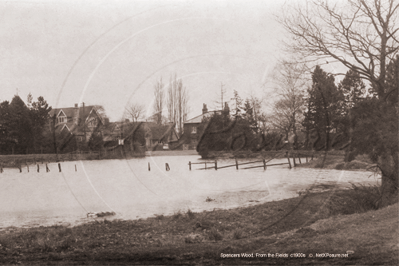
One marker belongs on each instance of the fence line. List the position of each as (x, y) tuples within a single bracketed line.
[(264, 165)]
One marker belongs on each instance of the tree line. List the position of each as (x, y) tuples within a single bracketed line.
[(362, 36), (362, 109), (23, 126)]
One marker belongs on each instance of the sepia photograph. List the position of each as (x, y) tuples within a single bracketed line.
[(189, 132)]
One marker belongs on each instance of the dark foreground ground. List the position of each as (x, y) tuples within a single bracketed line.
[(295, 231)]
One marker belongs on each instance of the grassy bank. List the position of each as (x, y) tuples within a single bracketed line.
[(336, 161), (307, 224)]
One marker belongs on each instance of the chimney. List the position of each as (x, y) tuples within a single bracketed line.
[(204, 109), (226, 108), (76, 115)]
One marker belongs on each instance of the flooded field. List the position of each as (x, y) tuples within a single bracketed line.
[(128, 188)]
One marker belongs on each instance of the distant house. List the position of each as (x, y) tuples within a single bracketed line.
[(80, 121), (125, 134), (194, 126), (158, 135), (150, 134)]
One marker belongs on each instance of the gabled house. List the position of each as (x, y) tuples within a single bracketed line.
[(81, 121)]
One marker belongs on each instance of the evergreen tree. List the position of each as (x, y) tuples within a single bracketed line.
[(5, 119), (353, 89), (376, 132), (324, 104), (253, 113), (238, 103), (20, 125), (39, 115)]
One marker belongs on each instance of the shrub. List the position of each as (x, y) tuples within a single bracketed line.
[(193, 238), (350, 156), (177, 215), (159, 217), (357, 200), (237, 234), (190, 214), (214, 234)]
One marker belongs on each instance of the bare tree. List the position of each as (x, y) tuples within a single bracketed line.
[(362, 35), (134, 111), (158, 100), (281, 118), (177, 103), (290, 83)]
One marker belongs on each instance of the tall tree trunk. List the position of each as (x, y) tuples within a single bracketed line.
[(294, 131), (349, 149), (388, 164)]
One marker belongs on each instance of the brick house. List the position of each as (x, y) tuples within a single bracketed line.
[(193, 128)]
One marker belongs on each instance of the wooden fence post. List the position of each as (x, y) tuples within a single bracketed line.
[(38, 170), (149, 167), (236, 164), (293, 158), (264, 164), (59, 167), (288, 158), (189, 165), (299, 158), (216, 165)]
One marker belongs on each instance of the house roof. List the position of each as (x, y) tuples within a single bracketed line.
[(131, 128), (71, 127), (168, 131), (70, 111), (199, 118), (115, 130), (157, 131)]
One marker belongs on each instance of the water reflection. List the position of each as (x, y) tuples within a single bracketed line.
[(128, 188)]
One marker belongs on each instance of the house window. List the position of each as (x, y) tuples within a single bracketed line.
[(194, 130), (62, 119), (92, 123)]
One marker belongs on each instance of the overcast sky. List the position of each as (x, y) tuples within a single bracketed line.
[(112, 53)]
